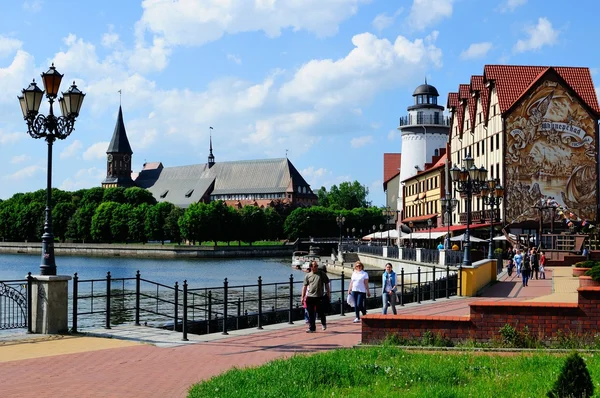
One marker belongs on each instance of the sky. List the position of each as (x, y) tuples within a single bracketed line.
[(323, 82)]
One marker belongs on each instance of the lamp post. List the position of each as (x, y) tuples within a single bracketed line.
[(429, 225), (50, 128), (491, 194), (449, 203), (468, 180), (340, 222)]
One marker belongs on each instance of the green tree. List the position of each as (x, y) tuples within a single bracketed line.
[(116, 195), (30, 221), (61, 216), (347, 196), (253, 224), (119, 222), (218, 221), (80, 225), (101, 222), (172, 231), (155, 220), (92, 196), (193, 223), (8, 220), (323, 197), (135, 196), (274, 224), (137, 223)]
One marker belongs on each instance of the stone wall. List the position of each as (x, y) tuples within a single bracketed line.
[(544, 320)]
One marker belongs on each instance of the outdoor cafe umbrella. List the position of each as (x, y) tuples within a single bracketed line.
[(461, 238)]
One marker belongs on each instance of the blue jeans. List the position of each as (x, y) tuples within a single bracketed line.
[(525, 274), (389, 298), (360, 303)]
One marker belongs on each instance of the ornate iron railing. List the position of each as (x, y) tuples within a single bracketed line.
[(15, 304)]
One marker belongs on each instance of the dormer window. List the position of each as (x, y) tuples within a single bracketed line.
[(164, 194), (189, 193)]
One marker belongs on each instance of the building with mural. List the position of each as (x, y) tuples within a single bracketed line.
[(535, 128)]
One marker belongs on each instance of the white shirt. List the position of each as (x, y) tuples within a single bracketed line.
[(358, 281)]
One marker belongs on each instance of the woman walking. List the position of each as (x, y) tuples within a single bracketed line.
[(388, 290), (359, 288)]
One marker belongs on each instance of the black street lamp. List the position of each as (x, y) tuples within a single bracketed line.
[(429, 225), (340, 222), (468, 180), (50, 128), (449, 203), (491, 194)]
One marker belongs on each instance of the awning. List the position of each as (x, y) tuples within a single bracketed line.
[(423, 235), (461, 238)]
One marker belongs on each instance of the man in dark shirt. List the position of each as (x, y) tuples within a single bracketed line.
[(312, 293)]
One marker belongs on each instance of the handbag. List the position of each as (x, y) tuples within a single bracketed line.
[(350, 300)]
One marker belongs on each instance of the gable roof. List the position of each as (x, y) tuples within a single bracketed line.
[(512, 82), (119, 142), (391, 167)]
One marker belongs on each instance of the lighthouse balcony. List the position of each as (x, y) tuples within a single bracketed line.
[(436, 120)]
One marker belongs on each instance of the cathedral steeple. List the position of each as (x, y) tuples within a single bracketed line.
[(211, 157), (118, 157)]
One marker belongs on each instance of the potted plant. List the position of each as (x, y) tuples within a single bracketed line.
[(581, 267), (591, 277)]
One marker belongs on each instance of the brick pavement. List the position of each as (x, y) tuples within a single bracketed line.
[(101, 367)]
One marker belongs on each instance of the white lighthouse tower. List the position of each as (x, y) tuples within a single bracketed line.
[(424, 131)]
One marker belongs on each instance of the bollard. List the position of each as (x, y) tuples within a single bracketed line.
[(209, 312), (75, 293), (290, 320), (402, 287), (184, 320), (259, 303), (176, 307), (107, 326), (225, 299), (433, 299), (419, 285), (137, 298), (342, 294)]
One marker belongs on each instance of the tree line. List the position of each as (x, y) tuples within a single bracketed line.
[(133, 215)]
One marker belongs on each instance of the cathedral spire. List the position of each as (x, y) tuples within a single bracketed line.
[(118, 157), (211, 157)]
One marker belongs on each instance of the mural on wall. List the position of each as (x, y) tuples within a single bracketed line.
[(550, 155)]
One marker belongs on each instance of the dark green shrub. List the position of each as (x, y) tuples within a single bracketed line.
[(594, 272), (511, 337), (574, 380), (586, 264)]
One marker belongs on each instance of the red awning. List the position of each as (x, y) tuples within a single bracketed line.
[(462, 227), (419, 218)]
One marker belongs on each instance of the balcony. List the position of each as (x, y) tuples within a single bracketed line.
[(438, 120), (480, 217)]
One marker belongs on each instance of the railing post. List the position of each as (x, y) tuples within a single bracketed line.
[(419, 285), (184, 320), (29, 303), (107, 325), (402, 287), (225, 301), (209, 313), (290, 321), (239, 313), (137, 297), (75, 294), (342, 294), (433, 299), (447, 282), (259, 303), (176, 307)]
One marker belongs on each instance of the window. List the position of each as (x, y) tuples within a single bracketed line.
[(483, 147), (498, 169), (493, 110), (189, 193), (492, 171), (497, 141), (477, 145), (164, 194)]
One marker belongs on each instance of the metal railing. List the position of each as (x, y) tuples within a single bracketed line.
[(430, 256), (373, 250), (454, 257), (15, 304), (112, 301), (411, 120), (409, 253)]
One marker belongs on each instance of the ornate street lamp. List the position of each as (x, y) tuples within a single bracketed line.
[(340, 222), (50, 128), (491, 194), (429, 225), (449, 203), (468, 180)]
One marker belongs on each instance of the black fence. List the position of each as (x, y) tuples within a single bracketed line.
[(113, 301), (409, 253), (15, 304)]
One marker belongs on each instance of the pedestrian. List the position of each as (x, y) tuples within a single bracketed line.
[(518, 259), (312, 294), (388, 290), (359, 288), (455, 247), (440, 246), (510, 266), (542, 265), (525, 270), (535, 266)]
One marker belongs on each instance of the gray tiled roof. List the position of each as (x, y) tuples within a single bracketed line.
[(239, 177)]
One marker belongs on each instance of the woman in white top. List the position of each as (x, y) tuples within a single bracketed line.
[(359, 288)]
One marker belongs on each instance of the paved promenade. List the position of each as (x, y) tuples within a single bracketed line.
[(130, 361)]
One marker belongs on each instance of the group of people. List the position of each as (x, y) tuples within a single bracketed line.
[(528, 263)]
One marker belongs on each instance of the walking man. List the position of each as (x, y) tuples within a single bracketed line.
[(312, 294)]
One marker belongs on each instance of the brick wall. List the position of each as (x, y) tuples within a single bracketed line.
[(487, 317)]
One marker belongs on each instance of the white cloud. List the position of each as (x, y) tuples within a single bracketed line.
[(19, 159), (372, 65), (71, 150), (110, 39), (96, 151), (234, 58), (10, 138), (476, 50), (511, 5), (383, 21), (9, 45), (312, 172), (84, 178), (26, 172), (425, 13), (34, 5), (16, 76), (393, 134), (359, 142), (539, 36)]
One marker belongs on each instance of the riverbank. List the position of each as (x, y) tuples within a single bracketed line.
[(149, 250)]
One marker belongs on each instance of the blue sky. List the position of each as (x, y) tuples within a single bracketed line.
[(324, 80)]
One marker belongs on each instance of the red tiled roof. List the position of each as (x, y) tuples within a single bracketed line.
[(478, 86), (391, 166), (513, 81), (452, 100), (464, 91), (472, 103)]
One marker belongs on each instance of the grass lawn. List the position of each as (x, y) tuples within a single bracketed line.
[(389, 371)]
